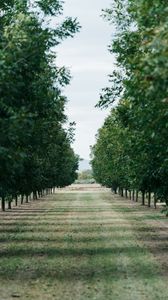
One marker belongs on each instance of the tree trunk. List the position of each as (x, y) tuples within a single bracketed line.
[(155, 200), (35, 195), (122, 193), (3, 203), (133, 195), (9, 205), (27, 199), (149, 199), (16, 200), (40, 194), (126, 193), (22, 199), (143, 198), (130, 194), (136, 196)]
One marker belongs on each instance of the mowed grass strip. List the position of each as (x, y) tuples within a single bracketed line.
[(88, 245)]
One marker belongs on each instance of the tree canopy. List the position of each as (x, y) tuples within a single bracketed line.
[(35, 147), (133, 142)]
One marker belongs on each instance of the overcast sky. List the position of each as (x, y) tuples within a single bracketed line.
[(90, 62)]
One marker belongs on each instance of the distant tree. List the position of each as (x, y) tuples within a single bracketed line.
[(85, 175)]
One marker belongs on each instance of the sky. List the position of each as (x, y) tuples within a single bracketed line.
[(87, 57)]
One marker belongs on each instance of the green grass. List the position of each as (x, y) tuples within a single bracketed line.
[(83, 246)]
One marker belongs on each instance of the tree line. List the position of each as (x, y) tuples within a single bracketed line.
[(131, 151), (35, 143)]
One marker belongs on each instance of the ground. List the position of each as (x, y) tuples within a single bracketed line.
[(83, 243)]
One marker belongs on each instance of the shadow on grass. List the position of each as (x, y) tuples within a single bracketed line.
[(66, 223), (50, 252), (37, 228), (75, 239), (60, 211), (51, 263), (47, 261), (86, 273)]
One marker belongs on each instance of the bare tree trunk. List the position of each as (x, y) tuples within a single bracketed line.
[(155, 201), (16, 200), (149, 199), (133, 195), (136, 196), (27, 198), (143, 198), (3, 203), (9, 204), (22, 199), (34, 195), (126, 193), (130, 194)]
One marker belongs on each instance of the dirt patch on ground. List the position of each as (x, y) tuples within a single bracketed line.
[(83, 187)]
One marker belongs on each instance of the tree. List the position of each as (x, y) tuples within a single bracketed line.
[(139, 87), (32, 105)]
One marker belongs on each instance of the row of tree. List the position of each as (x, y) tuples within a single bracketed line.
[(85, 177), (35, 147), (131, 152)]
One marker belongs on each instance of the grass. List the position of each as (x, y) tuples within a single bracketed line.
[(83, 245)]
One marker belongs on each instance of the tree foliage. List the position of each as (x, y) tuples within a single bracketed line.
[(35, 149), (135, 134)]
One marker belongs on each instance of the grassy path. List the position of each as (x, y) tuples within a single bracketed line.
[(83, 245)]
